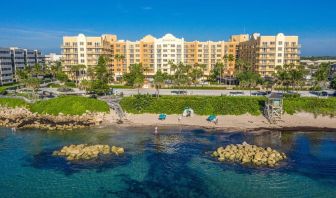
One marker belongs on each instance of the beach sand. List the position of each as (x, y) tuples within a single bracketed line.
[(304, 121)]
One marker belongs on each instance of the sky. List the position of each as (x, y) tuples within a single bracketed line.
[(40, 24)]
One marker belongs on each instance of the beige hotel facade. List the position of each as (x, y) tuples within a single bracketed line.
[(264, 52)]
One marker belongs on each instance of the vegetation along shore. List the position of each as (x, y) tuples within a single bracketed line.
[(66, 112)]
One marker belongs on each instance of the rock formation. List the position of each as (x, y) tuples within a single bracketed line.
[(87, 152), (249, 154), (23, 118)]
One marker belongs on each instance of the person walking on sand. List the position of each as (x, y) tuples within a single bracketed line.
[(179, 119), (156, 130)]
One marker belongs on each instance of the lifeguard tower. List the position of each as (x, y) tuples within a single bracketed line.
[(274, 107)]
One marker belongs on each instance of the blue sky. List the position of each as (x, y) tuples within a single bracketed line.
[(41, 23)]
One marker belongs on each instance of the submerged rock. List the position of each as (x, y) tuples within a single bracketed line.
[(249, 154), (87, 152)]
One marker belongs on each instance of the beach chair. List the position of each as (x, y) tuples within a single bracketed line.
[(162, 116)]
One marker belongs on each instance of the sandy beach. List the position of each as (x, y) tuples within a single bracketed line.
[(239, 123)]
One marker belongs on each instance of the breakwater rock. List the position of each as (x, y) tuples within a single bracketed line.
[(87, 152), (249, 154), (23, 118)]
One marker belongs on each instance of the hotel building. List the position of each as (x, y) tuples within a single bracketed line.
[(13, 59), (264, 53), (82, 50), (156, 53)]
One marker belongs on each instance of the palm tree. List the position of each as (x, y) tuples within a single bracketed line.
[(90, 72), (118, 58), (159, 80), (228, 59), (321, 75), (85, 84), (76, 71)]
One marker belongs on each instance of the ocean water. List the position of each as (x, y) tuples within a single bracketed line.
[(174, 163)]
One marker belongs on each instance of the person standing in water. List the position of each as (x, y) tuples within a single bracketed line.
[(156, 130)]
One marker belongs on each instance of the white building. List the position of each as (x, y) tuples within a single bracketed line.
[(52, 58)]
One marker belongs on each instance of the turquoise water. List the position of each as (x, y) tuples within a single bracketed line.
[(175, 163)]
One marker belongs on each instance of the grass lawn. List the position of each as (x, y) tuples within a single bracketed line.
[(13, 102), (69, 105)]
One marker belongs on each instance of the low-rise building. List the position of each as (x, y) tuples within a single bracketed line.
[(52, 58)]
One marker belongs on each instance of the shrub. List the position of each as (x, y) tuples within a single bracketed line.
[(324, 106), (69, 105), (54, 85), (294, 95), (224, 105), (202, 105), (70, 84)]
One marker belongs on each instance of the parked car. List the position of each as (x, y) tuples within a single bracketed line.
[(236, 93), (259, 93), (181, 92)]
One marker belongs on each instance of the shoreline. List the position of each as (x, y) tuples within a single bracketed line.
[(23, 118), (246, 123)]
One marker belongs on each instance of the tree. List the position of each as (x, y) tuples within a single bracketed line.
[(180, 76), (55, 68), (85, 84), (333, 83), (33, 83), (62, 77), (37, 70), (228, 59), (76, 71), (90, 72), (322, 74), (282, 76), (297, 75), (246, 76), (215, 73), (100, 82), (159, 80), (139, 82), (248, 79), (135, 74)]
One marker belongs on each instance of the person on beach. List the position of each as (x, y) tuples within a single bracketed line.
[(156, 130), (179, 119)]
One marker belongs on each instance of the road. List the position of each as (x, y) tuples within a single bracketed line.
[(200, 92)]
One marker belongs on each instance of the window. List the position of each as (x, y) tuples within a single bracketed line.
[(280, 42), (279, 54)]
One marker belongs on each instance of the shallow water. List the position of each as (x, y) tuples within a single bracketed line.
[(175, 163)]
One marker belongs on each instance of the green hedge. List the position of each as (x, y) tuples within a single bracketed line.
[(223, 105), (202, 105), (13, 102), (69, 105), (198, 87), (324, 106)]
